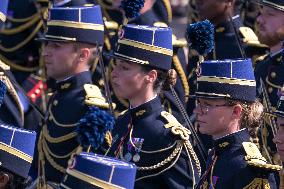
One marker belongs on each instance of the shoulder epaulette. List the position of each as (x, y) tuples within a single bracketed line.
[(111, 25), (175, 126), (261, 58), (94, 97), (254, 158), (4, 66), (178, 42), (248, 35)]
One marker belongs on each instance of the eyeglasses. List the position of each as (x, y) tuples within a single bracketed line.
[(205, 108)]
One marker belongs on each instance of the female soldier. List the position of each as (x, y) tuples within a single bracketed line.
[(226, 109), (146, 134)]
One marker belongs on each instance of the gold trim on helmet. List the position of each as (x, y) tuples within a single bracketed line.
[(132, 59), (15, 152), (92, 180), (214, 94), (233, 81), (72, 24), (61, 37), (145, 46)]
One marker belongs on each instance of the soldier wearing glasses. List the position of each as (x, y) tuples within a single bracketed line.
[(226, 110)]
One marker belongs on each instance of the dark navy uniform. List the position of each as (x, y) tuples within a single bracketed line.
[(65, 108), (236, 163), (270, 70), (158, 153)]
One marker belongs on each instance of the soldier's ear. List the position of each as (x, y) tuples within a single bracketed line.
[(4, 179), (152, 76), (85, 54), (237, 111)]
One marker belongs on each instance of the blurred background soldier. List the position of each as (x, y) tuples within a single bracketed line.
[(227, 107), (269, 70), (279, 137), (232, 40)]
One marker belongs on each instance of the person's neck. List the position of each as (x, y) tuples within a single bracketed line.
[(233, 127), (137, 101)]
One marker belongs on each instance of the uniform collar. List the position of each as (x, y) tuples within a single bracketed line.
[(74, 81), (234, 139), (145, 109), (277, 57)]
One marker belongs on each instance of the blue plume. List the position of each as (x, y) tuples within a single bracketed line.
[(132, 7), (3, 90), (200, 36), (93, 126)]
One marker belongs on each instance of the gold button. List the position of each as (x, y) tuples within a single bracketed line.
[(273, 74), (33, 95), (270, 89), (55, 102), (50, 118), (37, 91)]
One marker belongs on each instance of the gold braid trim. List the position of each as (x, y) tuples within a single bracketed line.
[(180, 71), (45, 146), (14, 95), (22, 19), (171, 165), (51, 117), (52, 162), (176, 153), (24, 42), (41, 163), (169, 10), (16, 66), (20, 28), (191, 152), (63, 138)]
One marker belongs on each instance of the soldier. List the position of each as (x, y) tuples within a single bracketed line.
[(279, 137), (81, 174), (226, 108), (146, 134), (269, 70), (232, 40), (72, 41)]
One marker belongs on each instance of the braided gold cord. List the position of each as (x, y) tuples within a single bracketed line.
[(180, 71), (45, 145), (58, 139), (56, 122), (175, 153), (52, 162), (41, 163), (150, 152), (191, 152), (16, 66), (22, 19), (20, 28), (172, 164), (24, 42)]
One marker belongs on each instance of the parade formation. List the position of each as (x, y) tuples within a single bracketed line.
[(111, 94)]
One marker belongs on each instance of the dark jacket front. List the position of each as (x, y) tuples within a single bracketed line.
[(229, 167), (154, 148), (65, 108)]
